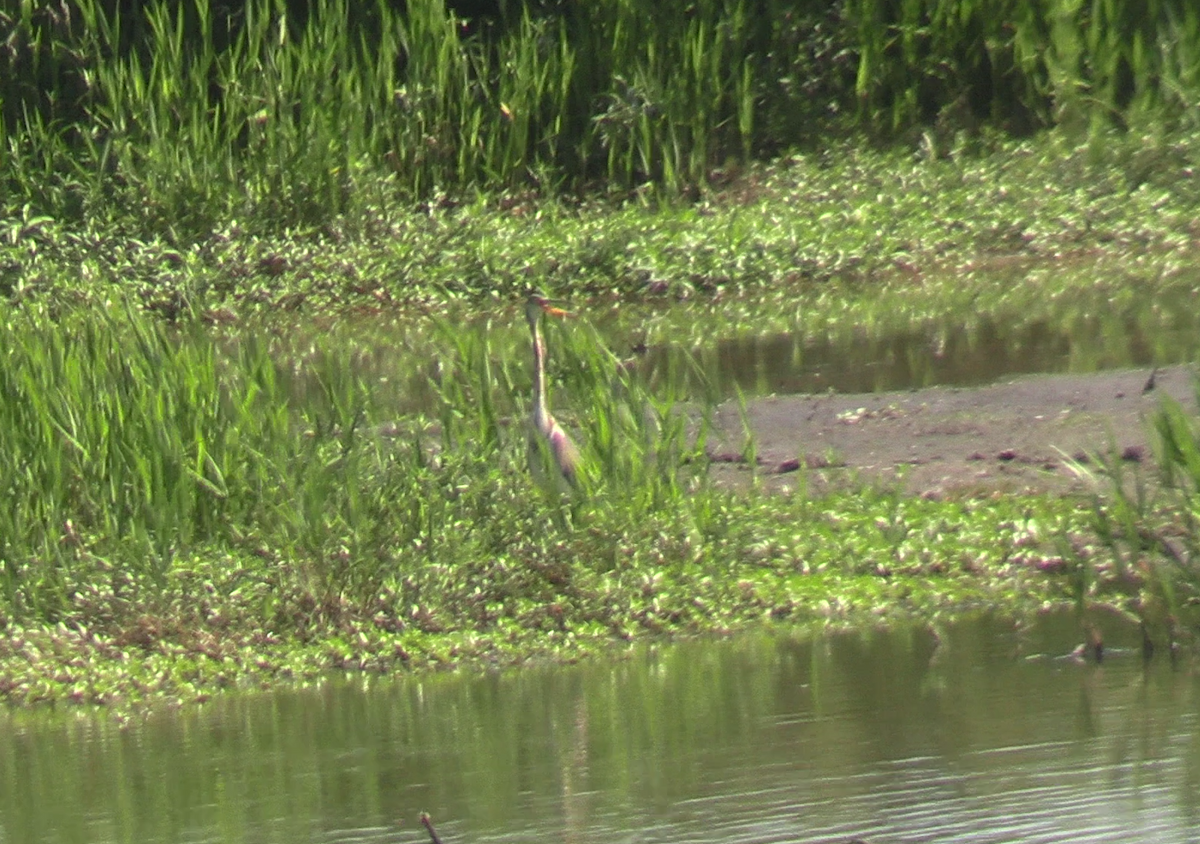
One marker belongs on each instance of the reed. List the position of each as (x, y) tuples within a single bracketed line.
[(171, 117), (1151, 528), (126, 446)]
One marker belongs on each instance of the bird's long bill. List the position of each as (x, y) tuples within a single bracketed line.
[(556, 312)]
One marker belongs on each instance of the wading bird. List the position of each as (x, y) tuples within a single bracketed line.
[(547, 434)]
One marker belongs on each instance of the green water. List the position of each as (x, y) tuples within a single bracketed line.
[(1143, 333), (976, 733), (760, 346)]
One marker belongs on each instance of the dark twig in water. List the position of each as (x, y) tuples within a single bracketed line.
[(429, 826), (1096, 642)]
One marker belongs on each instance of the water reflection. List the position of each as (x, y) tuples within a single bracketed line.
[(982, 352), (903, 736), (1087, 332)]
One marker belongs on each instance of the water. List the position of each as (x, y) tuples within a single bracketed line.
[(759, 348), (977, 733), (1149, 333)]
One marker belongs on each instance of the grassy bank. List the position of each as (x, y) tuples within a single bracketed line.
[(210, 160), (833, 225), (197, 507), (190, 514), (186, 518)]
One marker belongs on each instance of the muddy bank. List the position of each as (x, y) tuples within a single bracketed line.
[(1014, 436)]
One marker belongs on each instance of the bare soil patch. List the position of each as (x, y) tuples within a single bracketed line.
[(1012, 437)]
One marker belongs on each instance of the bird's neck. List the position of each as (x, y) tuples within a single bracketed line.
[(539, 377)]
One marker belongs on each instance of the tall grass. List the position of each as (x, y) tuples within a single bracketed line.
[(1152, 530), (174, 116), (126, 447)]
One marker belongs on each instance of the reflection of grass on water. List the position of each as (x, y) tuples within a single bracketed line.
[(177, 521)]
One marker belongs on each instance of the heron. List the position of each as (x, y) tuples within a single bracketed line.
[(546, 429)]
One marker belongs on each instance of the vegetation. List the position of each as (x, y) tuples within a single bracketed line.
[(202, 495), (821, 226), (185, 517), (1151, 526), (175, 119)]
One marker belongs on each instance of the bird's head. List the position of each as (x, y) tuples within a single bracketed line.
[(537, 305)]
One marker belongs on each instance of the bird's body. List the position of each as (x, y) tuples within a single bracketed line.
[(547, 434)]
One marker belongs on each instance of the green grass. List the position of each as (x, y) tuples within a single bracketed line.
[(1149, 521), (187, 516), (196, 507), (174, 119), (831, 227)]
